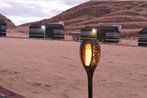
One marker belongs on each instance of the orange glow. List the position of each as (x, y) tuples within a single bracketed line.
[(90, 53), (87, 54)]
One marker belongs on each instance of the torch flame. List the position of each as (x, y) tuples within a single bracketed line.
[(88, 54)]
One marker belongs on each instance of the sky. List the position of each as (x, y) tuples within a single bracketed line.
[(24, 11)]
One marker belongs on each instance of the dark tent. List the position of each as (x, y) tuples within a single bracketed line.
[(55, 31), (110, 33), (89, 32), (142, 40), (104, 33), (3, 27), (46, 30), (37, 30)]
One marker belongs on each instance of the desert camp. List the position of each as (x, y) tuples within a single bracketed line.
[(73, 49)]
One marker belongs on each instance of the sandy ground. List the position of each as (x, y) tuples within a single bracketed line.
[(52, 69)]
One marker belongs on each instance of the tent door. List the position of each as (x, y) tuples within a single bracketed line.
[(0, 31), (49, 33)]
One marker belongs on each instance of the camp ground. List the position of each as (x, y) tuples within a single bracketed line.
[(53, 31), (3, 27), (142, 39), (103, 33)]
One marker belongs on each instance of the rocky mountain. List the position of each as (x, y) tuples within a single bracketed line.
[(132, 15), (10, 24)]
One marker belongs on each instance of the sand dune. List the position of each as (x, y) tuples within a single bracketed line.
[(38, 68)]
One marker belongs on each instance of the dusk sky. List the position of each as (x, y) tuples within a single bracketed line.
[(23, 11)]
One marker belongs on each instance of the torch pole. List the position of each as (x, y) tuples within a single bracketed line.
[(90, 84)]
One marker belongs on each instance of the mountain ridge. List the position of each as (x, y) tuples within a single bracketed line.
[(10, 24)]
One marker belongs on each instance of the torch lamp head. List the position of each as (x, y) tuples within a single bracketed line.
[(90, 54)]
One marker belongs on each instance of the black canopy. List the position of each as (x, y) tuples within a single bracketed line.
[(102, 28), (143, 31), (56, 26), (2, 22)]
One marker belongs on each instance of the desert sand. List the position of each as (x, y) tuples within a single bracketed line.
[(37, 68)]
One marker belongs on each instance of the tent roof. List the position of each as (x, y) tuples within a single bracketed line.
[(144, 30), (109, 28), (2, 22), (35, 25), (55, 26), (48, 25), (103, 28)]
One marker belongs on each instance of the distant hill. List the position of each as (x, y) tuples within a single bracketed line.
[(132, 15), (10, 24)]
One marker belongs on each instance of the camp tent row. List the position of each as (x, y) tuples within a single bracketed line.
[(54, 31), (102, 33), (3, 27), (109, 34)]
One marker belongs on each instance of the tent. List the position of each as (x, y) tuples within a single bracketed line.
[(3, 27), (37, 30), (55, 31), (47, 31), (90, 32), (103, 33), (142, 40), (110, 33)]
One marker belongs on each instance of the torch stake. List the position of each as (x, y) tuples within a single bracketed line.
[(90, 83)]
